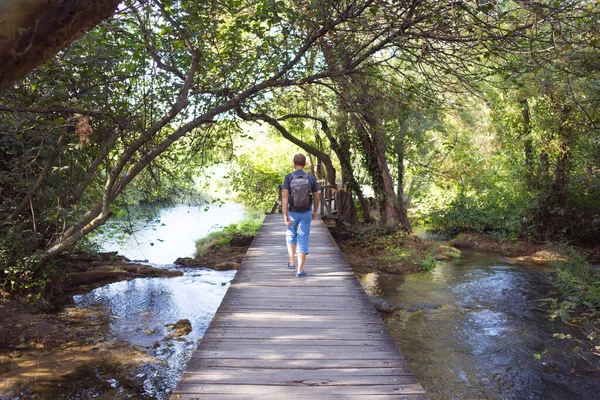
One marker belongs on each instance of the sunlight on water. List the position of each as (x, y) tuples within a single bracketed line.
[(175, 234), (141, 309)]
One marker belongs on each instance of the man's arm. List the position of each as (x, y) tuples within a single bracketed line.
[(285, 197), (316, 201)]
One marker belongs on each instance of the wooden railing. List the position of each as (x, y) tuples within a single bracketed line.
[(327, 207)]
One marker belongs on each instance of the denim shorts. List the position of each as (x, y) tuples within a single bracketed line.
[(298, 231)]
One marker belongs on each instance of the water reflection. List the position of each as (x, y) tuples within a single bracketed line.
[(140, 310), (472, 328), (174, 232)]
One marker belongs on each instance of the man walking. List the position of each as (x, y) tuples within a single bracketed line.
[(300, 202)]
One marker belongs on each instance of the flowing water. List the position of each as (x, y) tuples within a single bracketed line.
[(473, 328), (140, 359), (172, 233), (142, 309)]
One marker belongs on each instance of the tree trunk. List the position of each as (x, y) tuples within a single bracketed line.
[(38, 183), (370, 130), (528, 144), (341, 148), (399, 149), (345, 207), (395, 212), (33, 31)]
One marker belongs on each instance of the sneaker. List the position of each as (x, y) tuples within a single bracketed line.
[(290, 266), (301, 274)]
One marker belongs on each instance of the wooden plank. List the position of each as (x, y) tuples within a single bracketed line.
[(306, 315), (275, 336), (282, 333), (346, 396), (299, 324), (276, 343), (201, 363), (285, 354), (317, 302), (291, 374), (285, 391), (247, 376)]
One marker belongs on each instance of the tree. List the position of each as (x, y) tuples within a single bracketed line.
[(163, 72), (34, 31), (195, 63)]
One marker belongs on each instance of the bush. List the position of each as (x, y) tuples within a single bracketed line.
[(20, 270), (579, 284), (240, 233), (476, 213), (256, 181)]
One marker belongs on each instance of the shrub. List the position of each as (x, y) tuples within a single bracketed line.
[(245, 229), (579, 284)]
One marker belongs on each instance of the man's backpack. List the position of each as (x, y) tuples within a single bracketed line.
[(300, 193)]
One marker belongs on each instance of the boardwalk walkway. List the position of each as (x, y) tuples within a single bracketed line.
[(276, 336)]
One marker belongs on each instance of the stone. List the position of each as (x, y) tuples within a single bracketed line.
[(188, 262), (226, 266), (180, 328), (383, 306)]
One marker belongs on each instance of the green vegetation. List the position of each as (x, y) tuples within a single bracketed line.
[(242, 233), (262, 161), (428, 263), (579, 305), (488, 124)]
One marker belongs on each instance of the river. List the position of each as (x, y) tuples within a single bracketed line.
[(474, 328), (142, 309)]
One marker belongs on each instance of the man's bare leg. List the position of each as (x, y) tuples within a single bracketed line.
[(301, 259), (291, 252)]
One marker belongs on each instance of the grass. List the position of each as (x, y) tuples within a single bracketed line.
[(242, 232)]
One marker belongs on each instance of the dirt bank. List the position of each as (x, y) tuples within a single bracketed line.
[(368, 249), (40, 350), (225, 257)]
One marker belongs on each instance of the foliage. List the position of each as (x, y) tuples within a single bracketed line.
[(21, 272), (258, 170), (579, 303), (241, 231), (471, 184), (429, 263), (488, 123)]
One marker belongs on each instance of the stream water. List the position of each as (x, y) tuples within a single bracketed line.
[(473, 328), (141, 309)]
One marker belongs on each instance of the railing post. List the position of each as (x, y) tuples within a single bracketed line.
[(322, 205), (278, 204)]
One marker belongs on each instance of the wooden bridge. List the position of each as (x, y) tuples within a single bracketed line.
[(276, 336)]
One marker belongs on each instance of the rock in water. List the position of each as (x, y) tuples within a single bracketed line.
[(226, 266), (383, 306), (188, 262), (180, 328)]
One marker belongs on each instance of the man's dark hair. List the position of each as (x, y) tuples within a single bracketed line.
[(300, 159)]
